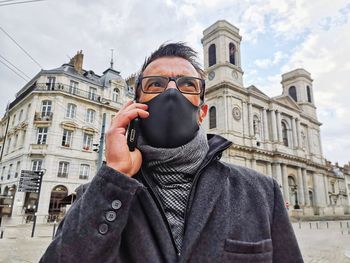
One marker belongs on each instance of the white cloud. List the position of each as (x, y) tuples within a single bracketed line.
[(267, 62)]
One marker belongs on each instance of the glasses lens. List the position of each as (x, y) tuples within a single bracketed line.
[(189, 85), (154, 84)]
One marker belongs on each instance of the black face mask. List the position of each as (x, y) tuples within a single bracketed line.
[(172, 122)]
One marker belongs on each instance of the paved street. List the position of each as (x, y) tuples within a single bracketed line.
[(318, 244)]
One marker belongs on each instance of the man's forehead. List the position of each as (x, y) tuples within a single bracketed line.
[(170, 66)]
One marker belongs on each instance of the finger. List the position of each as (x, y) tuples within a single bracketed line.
[(136, 106), (126, 105), (123, 120)]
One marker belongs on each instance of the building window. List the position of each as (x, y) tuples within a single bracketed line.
[(92, 93), (46, 107), (24, 137), (15, 142), (18, 169), (8, 145), (84, 171), (9, 172), (36, 165), (13, 120), (293, 93), (63, 168), (308, 91), (3, 172), (67, 138), (285, 134), (42, 135), (51, 83), (90, 115), (232, 52), (212, 55), (73, 87), (87, 142), (115, 95), (71, 110), (20, 115), (212, 117)]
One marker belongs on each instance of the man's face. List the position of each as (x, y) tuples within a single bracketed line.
[(173, 67)]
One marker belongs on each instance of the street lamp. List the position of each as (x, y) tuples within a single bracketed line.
[(295, 191)]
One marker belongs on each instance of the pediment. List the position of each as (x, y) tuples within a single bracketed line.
[(256, 90), (286, 100)]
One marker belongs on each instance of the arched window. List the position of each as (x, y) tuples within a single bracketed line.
[(293, 192), (308, 91), (285, 134), (212, 55), (293, 93), (212, 117), (71, 110), (232, 52), (55, 207), (115, 95)]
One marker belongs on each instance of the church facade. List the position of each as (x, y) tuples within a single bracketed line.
[(278, 136)]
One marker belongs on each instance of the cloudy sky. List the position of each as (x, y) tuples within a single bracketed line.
[(278, 35)]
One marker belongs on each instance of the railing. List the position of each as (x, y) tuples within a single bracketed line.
[(69, 90), (43, 116)]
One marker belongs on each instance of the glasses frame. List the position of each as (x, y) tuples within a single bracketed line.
[(175, 79)]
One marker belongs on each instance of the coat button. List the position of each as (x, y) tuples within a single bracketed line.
[(116, 204), (111, 216), (103, 229)]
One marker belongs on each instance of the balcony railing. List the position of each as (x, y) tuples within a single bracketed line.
[(43, 116), (69, 90)]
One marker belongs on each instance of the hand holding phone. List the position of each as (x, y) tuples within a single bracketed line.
[(121, 139), (133, 132)]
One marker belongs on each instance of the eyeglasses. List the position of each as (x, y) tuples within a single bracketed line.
[(186, 85)]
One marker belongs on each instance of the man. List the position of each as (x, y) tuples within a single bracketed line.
[(172, 199)]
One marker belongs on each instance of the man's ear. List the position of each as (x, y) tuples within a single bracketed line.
[(203, 112)]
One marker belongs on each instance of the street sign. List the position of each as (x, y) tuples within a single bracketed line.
[(30, 181)]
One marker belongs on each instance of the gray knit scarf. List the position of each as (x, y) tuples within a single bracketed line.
[(172, 172)]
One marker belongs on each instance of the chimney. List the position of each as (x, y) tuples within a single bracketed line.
[(77, 61)]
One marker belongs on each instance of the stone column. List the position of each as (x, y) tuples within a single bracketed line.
[(306, 190), (245, 119), (277, 174), (279, 127), (299, 133), (294, 132), (250, 118), (315, 189), (269, 169), (325, 182), (285, 183), (301, 198), (274, 125), (253, 163), (266, 127)]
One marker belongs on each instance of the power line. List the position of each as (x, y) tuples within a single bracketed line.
[(23, 2), (36, 62), (13, 71), (14, 66)]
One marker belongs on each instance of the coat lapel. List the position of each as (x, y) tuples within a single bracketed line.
[(206, 196)]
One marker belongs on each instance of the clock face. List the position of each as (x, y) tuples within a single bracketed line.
[(211, 75), (234, 74), (236, 112)]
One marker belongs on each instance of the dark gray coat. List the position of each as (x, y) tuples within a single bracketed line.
[(234, 214)]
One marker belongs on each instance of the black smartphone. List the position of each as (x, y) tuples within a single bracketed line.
[(133, 132)]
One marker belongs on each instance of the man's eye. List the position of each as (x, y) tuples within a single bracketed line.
[(155, 84)]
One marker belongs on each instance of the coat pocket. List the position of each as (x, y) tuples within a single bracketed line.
[(247, 252), (243, 247)]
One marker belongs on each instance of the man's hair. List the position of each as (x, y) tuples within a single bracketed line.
[(179, 49)]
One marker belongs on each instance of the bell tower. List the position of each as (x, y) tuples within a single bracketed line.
[(222, 54), (298, 85)]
